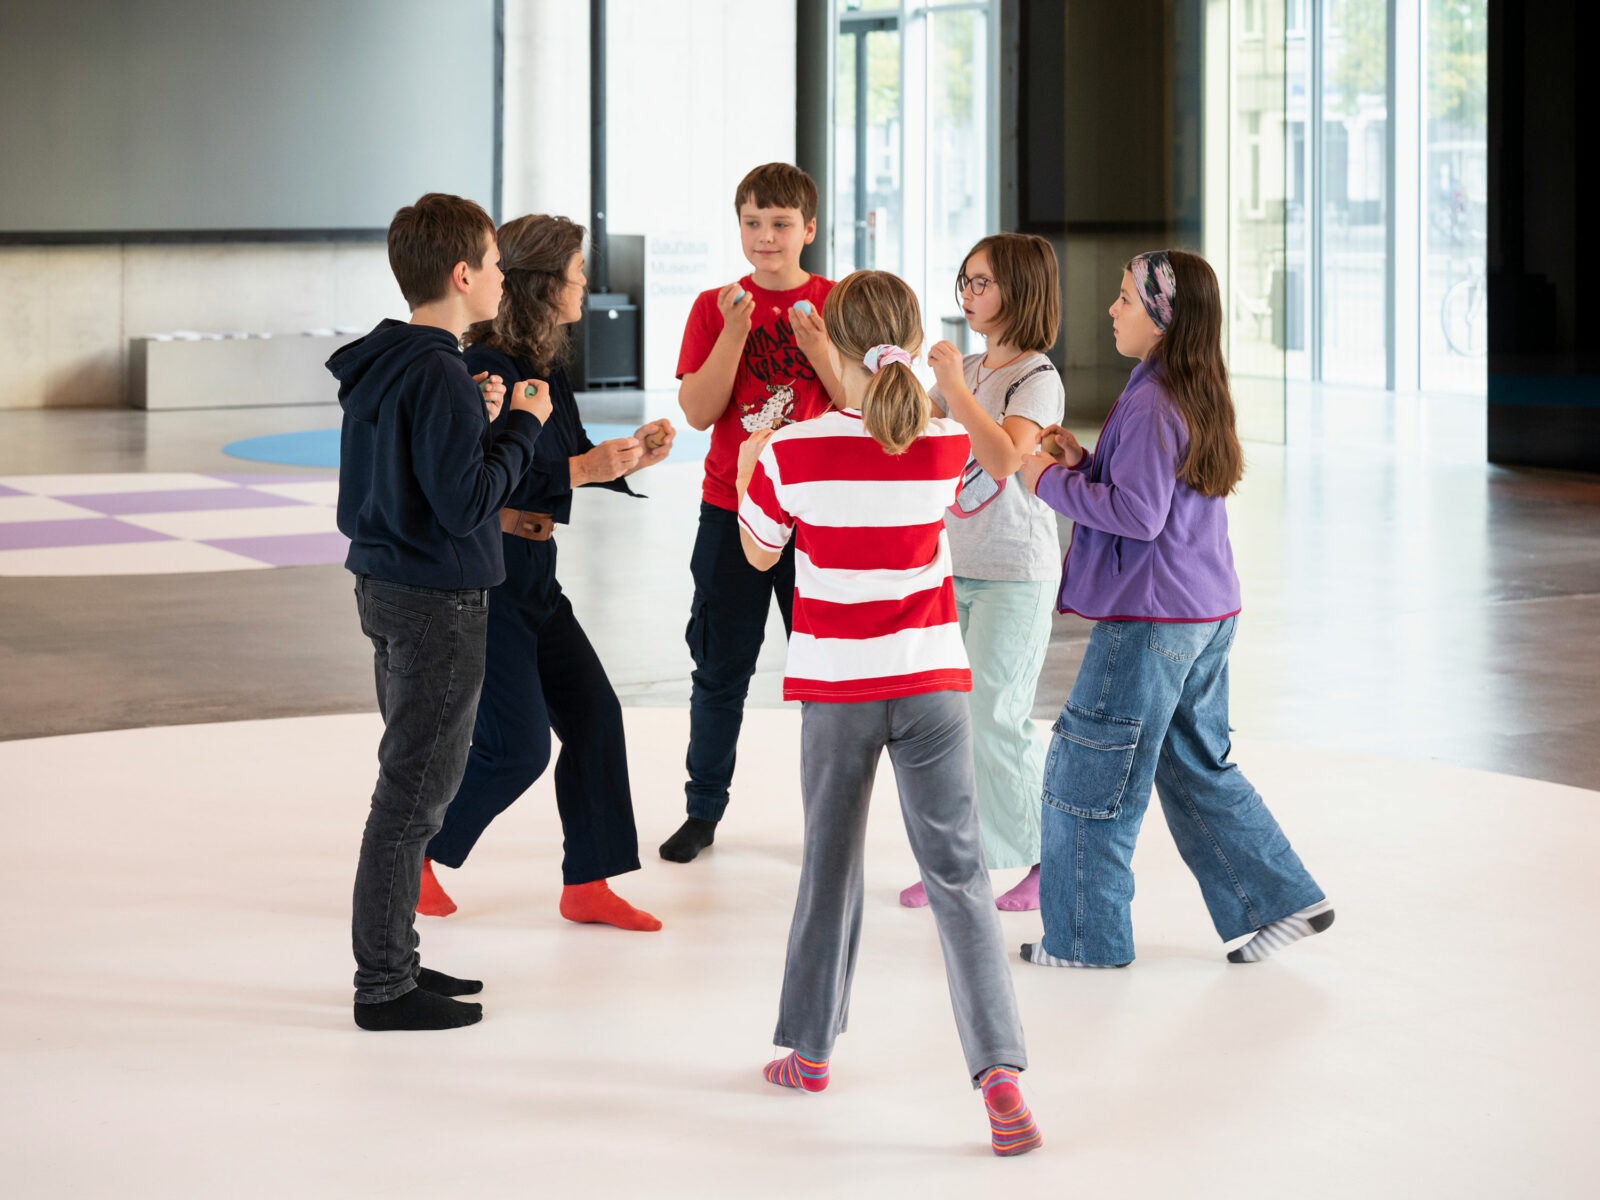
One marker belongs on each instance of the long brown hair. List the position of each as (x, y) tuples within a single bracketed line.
[(534, 253), (1188, 357), (874, 308)]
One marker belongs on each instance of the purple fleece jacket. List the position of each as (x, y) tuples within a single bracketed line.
[(1146, 546)]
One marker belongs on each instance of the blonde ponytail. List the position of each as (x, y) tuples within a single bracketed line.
[(895, 409), (874, 308)]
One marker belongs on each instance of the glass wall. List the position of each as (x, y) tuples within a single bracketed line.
[(1455, 193), (1354, 193), (1253, 162), (1378, 87), (868, 134), (957, 152), (913, 144)]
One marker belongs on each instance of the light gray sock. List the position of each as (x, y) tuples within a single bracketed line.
[(1034, 953), (1271, 938)]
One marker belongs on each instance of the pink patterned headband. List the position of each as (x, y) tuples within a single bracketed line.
[(1157, 286), (875, 358)]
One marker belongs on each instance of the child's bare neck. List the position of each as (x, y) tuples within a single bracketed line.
[(442, 314), (1000, 353), (785, 280)]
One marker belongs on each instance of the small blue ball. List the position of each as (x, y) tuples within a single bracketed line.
[(803, 306)]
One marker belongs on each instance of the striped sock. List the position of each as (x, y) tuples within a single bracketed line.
[(1011, 1127), (1034, 953), (1269, 939), (797, 1071)]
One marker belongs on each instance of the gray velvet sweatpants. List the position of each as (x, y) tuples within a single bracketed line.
[(929, 741)]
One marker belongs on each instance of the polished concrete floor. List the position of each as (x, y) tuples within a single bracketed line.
[(1420, 631), (1401, 597)]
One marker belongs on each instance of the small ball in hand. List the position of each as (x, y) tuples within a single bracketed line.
[(655, 439)]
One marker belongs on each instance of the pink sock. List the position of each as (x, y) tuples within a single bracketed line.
[(1025, 896), (1012, 1129), (915, 896)]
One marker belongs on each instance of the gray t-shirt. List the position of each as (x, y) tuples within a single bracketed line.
[(1013, 536)]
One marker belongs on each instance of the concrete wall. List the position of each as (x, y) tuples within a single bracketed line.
[(700, 91), (68, 311)]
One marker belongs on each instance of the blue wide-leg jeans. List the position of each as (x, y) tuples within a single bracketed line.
[(1150, 708)]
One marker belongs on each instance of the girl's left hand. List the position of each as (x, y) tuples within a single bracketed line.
[(1035, 465), (656, 438), (810, 334)]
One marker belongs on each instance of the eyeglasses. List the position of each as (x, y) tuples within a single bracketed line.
[(979, 284)]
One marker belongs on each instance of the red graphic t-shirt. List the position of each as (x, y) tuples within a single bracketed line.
[(774, 386)]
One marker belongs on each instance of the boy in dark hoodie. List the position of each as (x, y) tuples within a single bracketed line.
[(421, 485)]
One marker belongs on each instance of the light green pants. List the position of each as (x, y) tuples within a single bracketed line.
[(1006, 627)]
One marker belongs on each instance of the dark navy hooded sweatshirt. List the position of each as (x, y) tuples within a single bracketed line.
[(420, 485)]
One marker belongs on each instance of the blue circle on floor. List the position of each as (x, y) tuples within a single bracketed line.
[(310, 448)]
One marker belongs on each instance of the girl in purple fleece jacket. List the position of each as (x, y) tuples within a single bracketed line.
[(1150, 564)]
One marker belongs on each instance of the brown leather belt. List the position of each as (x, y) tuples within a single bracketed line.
[(536, 527)]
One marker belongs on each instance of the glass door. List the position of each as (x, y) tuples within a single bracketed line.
[(869, 126)]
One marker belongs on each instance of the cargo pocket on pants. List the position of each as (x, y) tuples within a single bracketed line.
[(695, 632), (1091, 757)]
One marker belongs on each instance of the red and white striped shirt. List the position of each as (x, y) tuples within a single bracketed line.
[(874, 606)]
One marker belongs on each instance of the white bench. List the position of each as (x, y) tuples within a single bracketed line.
[(186, 370)]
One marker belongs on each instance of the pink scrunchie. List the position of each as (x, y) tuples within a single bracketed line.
[(874, 359)]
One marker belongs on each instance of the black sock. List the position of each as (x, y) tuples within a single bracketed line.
[(694, 836), (418, 1009), (441, 984)]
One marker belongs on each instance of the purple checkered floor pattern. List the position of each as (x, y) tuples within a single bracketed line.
[(166, 523)]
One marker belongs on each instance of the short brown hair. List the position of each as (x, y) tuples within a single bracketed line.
[(874, 308), (534, 253), (427, 239), (1024, 268), (778, 185)]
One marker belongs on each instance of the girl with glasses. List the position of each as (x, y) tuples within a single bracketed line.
[(1003, 541)]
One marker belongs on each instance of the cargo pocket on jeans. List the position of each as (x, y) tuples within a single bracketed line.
[(397, 633), (1091, 757)]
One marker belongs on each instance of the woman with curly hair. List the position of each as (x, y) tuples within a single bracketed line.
[(542, 673)]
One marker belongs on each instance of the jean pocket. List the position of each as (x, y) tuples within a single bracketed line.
[(1181, 641), (397, 633), (1090, 760)]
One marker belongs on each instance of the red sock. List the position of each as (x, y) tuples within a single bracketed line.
[(797, 1071), (431, 900), (596, 903)]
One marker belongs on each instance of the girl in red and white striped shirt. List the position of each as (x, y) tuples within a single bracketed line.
[(876, 659)]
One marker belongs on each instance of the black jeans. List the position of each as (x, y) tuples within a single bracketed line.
[(543, 674), (727, 622), (428, 663)]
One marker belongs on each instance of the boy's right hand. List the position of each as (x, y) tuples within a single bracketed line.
[(538, 403), (736, 314)]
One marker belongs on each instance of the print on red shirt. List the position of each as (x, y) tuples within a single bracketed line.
[(775, 384)]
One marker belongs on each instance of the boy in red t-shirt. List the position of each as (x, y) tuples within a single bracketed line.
[(754, 356)]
